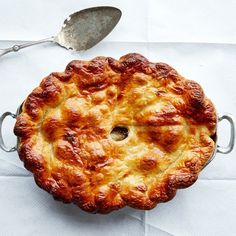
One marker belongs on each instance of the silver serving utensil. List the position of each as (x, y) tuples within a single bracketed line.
[(81, 30)]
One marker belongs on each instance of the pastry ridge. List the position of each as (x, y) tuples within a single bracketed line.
[(65, 127)]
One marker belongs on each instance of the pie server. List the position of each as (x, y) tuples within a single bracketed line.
[(218, 148), (81, 30)]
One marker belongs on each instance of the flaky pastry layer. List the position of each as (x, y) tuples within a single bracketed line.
[(65, 127)]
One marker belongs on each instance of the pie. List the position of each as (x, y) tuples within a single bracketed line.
[(109, 133)]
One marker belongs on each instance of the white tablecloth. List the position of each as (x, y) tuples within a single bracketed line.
[(198, 38)]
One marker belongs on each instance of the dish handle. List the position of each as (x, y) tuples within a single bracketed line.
[(230, 146), (2, 144)]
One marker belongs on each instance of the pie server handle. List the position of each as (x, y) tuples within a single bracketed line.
[(18, 47), (230, 145)]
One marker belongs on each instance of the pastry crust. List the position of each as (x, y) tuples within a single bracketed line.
[(65, 124)]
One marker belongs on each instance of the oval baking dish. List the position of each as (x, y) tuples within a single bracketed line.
[(108, 133)]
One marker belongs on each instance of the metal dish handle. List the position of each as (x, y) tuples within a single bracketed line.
[(2, 144), (230, 146)]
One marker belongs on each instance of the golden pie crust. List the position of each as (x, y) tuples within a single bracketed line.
[(65, 138)]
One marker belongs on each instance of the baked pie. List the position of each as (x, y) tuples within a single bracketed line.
[(108, 133)]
